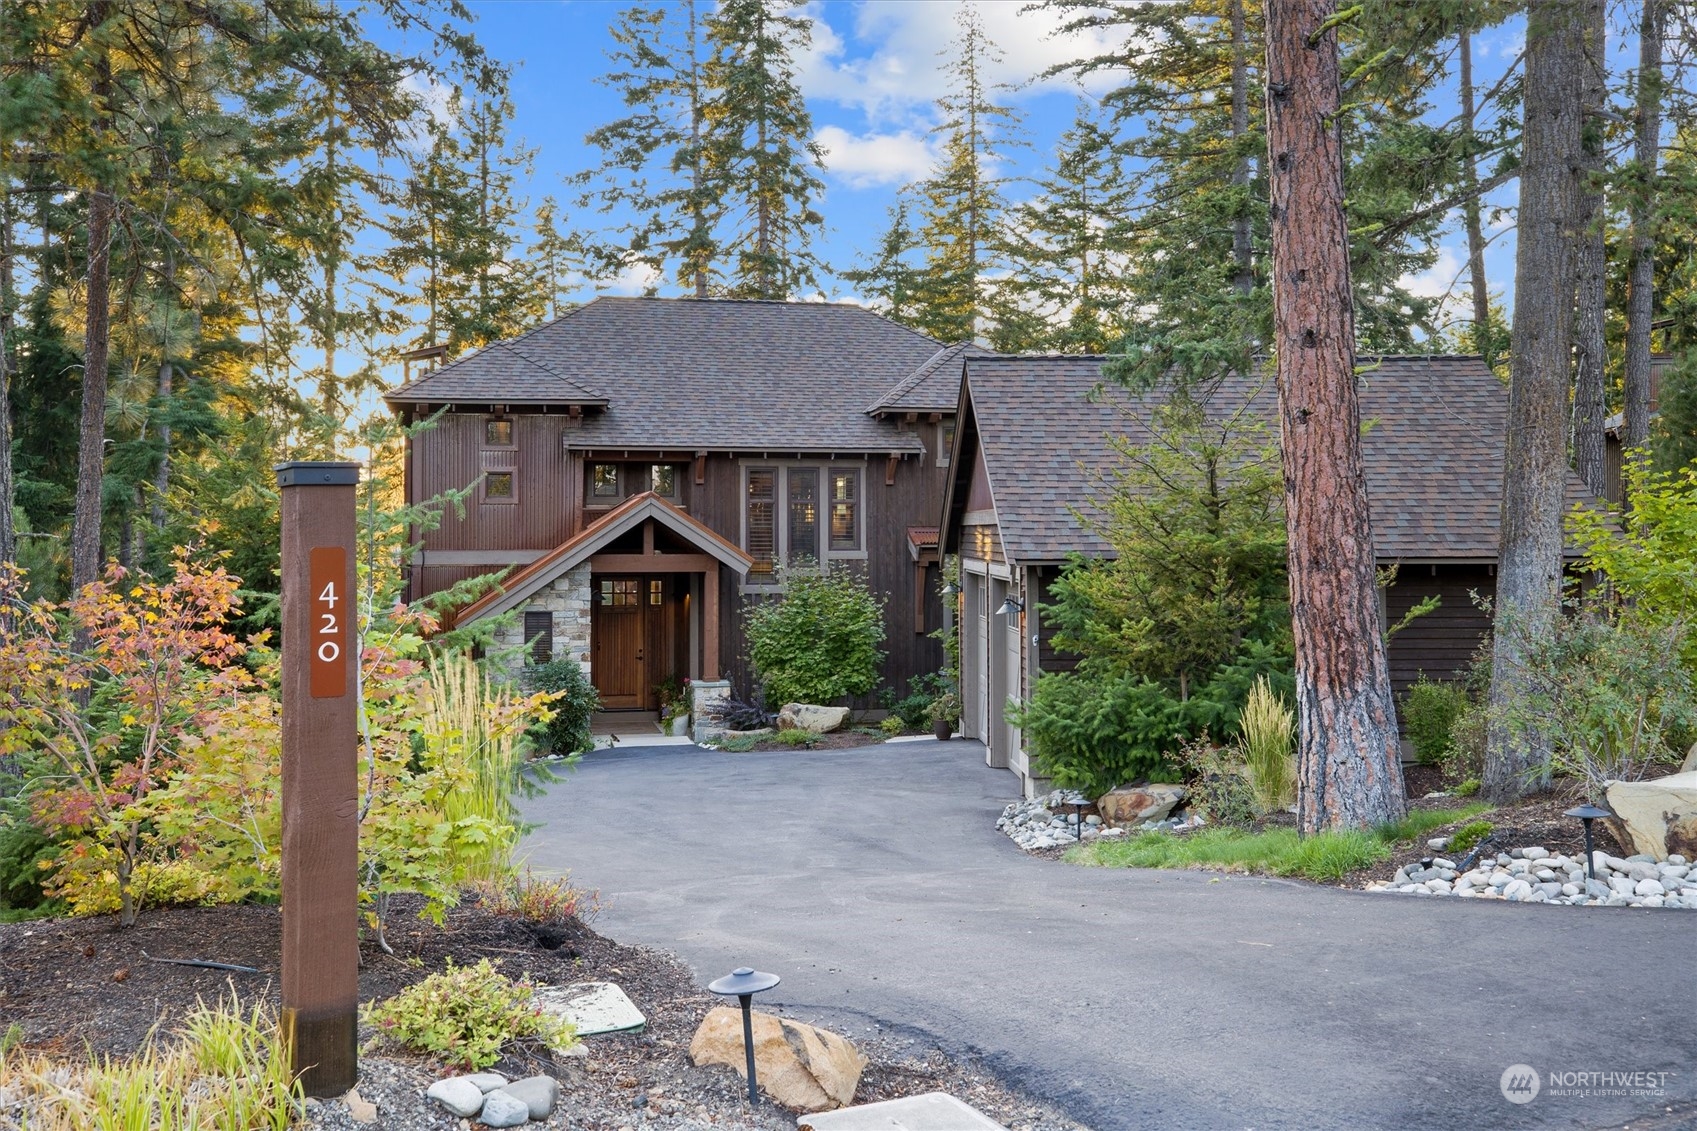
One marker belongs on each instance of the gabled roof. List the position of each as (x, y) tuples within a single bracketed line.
[(934, 386), (701, 375), (1433, 451), (625, 517), (499, 373)]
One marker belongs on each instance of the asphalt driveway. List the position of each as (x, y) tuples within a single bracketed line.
[(874, 881)]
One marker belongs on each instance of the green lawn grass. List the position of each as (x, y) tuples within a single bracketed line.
[(1278, 852)]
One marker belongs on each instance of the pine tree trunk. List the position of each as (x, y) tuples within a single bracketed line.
[(1590, 357), (8, 532), (1640, 279), (1241, 250), (1535, 461), (1470, 210), (1349, 765), (97, 325)]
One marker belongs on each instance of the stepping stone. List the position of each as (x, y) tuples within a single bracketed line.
[(592, 1007), (933, 1111)]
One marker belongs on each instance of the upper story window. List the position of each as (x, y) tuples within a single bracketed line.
[(610, 482), (497, 432), (801, 515), (945, 440), (500, 487)]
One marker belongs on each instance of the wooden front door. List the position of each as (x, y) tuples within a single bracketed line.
[(618, 629)]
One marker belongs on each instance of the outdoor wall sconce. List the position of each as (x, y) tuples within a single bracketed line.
[(1011, 608), (949, 589), (743, 983), (1588, 813)]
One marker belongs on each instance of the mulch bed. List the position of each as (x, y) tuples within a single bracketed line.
[(79, 985)]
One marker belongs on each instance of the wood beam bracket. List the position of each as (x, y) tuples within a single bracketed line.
[(890, 469), (700, 468)]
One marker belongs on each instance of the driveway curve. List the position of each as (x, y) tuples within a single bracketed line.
[(874, 881)]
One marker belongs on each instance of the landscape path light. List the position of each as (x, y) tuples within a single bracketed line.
[(1588, 813), (743, 983)]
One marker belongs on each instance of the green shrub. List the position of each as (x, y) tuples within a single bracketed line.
[(922, 690), (797, 737), (465, 1014), (545, 902), (1267, 733), (24, 849), (1092, 731), (1218, 782), (892, 726), (1466, 788), (819, 642), (568, 731), (737, 743), (1429, 713), (1469, 835), (1464, 758)]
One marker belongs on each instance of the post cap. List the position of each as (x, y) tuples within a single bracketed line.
[(743, 980), (317, 473)]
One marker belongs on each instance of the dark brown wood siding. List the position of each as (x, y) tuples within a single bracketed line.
[(451, 455), (1050, 658), (1440, 644)]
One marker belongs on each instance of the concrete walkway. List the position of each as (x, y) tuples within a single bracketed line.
[(874, 881)]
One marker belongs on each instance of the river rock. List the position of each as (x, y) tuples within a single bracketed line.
[(1660, 815), (805, 716), (487, 1081), (502, 1109), (458, 1094), (539, 1094), (1134, 804), (799, 1066)]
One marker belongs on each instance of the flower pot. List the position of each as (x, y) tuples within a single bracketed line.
[(942, 728), (678, 726)]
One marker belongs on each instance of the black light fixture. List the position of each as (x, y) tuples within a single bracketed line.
[(743, 983), (1012, 607), (949, 589), (1588, 813)]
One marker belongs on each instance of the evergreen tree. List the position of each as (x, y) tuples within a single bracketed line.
[(760, 158), (1070, 250), (653, 172), (556, 260), (888, 280), (1535, 462), (1349, 765)]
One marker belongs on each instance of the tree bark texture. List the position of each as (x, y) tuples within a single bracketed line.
[(8, 532), (1470, 210), (1640, 277), (1349, 771), (1535, 460), (97, 327), (1589, 351)]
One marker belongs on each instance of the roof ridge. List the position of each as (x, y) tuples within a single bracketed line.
[(506, 343), (512, 348)]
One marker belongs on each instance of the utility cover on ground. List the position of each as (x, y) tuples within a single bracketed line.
[(591, 1007), (933, 1111)]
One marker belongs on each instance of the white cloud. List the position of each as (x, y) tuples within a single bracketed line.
[(865, 160), (1440, 279), (903, 73), (635, 278)]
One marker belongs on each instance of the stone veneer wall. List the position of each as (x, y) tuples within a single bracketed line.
[(568, 598)]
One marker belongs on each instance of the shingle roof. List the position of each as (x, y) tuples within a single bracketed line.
[(1433, 451), (499, 373), (713, 374), (934, 386)]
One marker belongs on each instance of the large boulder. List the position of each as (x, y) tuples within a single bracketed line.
[(1660, 815), (1134, 804), (798, 1066), (819, 720)]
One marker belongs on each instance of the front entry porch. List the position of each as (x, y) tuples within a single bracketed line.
[(634, 598)]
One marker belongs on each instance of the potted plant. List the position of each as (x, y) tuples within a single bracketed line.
[(944, 713), (674, 707)]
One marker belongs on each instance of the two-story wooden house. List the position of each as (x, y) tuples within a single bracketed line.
[(645, 468)]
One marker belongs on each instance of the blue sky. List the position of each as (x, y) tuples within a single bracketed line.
[(871, 79)]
